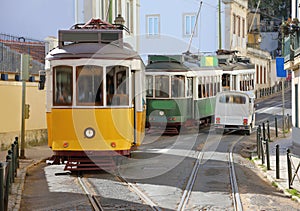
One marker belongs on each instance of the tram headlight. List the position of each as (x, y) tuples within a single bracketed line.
[(89, 132), (161, 113)]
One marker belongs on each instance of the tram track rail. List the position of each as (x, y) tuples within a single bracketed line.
[(140, 193), (237, 204), (95, 203)]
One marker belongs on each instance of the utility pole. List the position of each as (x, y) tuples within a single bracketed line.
[(282, 79), (24, 77), (220, 30)]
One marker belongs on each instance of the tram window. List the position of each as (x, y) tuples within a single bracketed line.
[(234, 86), (121, 96), (189, 92), (89, 85), (215, 89), (63, 85), (177, 86), (149, 86), (162, 86), (110, 89), (219, 87), (201, 91), (121, 82), (226, 80), (207, 90)]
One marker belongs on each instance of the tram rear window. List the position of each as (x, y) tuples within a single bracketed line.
[(232, 99)]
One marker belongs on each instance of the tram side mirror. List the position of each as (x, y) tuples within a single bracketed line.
[(42, 75)]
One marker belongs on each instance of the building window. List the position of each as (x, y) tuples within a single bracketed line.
[(233, 23), (243, 28), (239, 26), (189, 24), (128, 16), (265, 75), (257, 74), (152, 25), (261, 74)]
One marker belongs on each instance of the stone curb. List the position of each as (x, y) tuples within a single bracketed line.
[(15, 197), (274, 180)]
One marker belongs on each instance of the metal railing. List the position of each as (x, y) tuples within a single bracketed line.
[(293, 166), (263, 92), (11, 50), (8, 172), (263, 152)]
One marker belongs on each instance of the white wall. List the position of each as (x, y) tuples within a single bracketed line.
[(171, 39)]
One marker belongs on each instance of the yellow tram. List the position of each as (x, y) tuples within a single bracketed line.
[(95, 95)]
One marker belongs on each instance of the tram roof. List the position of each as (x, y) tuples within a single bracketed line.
[(93, 50), (178, 67), (236, 66), (166, 66)]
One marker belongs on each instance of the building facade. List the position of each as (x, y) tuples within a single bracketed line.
[(178, 26), (219, 25), (292, 62), (262, 48), (235, 32)]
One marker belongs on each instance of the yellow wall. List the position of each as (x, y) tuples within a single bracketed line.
[(10, 110)]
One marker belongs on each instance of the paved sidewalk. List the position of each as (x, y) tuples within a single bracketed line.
[(33, 156), (282, 182)]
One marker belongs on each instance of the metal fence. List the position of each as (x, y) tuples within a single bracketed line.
[(8, 172), (293, 165), (263, 92), (11, 50), (263, 152)]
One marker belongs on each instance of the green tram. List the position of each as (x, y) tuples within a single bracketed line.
[(181, 91)]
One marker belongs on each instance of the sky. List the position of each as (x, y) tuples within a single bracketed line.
[(35, 19)]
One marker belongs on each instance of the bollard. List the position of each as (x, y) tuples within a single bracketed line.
[(277, 162), (276, 127), (289, 168), (262, 152), (288, 122), (17, 151), (8, 177), (268, 154), (1, 186), (258, 135), (264, 131), (10, 157), (13, 161), (268, 130)]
